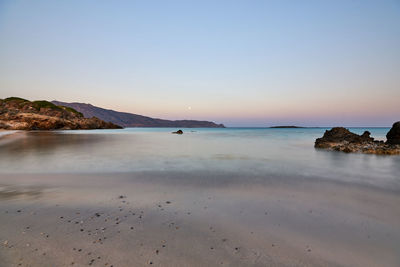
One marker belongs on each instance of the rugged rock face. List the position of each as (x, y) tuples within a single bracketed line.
[(393, 136), (21, 114), (340, 134), (341, 139)]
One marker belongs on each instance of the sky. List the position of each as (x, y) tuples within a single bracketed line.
[(241, 63)]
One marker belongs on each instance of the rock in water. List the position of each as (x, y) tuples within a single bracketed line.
[(178, 132), (393, 136), (341, 139), (340, 134), (366, 135)]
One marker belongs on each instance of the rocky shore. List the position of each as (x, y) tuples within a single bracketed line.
[(21, 114), (341, 139)]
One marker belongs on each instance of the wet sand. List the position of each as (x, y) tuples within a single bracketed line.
[(10, 136), (183, 219)]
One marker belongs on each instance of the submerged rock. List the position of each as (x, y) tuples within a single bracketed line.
[(341, 139), (393, 136), (178, 132)]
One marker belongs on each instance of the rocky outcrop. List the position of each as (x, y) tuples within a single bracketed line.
[(340, 134), (393, 136), (178, 132), (341, 139), (21, 114)]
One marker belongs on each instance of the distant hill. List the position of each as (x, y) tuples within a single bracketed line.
[(133, 120)]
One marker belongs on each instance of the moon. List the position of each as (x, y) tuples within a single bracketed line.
[(189, 108)]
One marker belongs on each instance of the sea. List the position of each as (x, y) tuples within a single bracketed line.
[(208, 197), (260, 151)]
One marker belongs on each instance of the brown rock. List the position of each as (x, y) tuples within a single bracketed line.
[(178, 132), (340, 134), (393, 136), (341, 139)]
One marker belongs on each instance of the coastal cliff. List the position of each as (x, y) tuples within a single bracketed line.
[(21, 114), (134, 120), (341, 139)]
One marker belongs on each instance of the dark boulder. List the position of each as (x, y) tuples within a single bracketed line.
[(366, 136), (393, 136), (178, 132), (340, 134), (341, 139)]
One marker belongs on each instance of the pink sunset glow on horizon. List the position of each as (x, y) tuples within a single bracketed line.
[(311, 64)]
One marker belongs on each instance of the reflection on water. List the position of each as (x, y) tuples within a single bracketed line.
[(232, 192), (262, 152), (48, 142), (8, 192)]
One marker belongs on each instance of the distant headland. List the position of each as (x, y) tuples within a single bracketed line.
[(287, 127), (133, 120), (21, 114)]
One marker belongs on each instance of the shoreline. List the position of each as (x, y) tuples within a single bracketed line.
[(9, 133), (153, 218)]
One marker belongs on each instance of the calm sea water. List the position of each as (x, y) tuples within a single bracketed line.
[(268, 192), (258, 151)]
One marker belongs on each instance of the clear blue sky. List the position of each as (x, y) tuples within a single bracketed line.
[(242, 63)]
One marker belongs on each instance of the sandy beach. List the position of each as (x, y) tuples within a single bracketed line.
[(165, 219)]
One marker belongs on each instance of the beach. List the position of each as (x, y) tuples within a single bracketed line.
[(200, 133), (242, 203)]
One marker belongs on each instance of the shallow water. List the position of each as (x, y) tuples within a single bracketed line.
[(278, 152), (236, 197)]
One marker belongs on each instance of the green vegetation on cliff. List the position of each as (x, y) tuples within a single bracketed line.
[(72, 110), (45, 104), (38, 104), (20, 114), (17, 99)]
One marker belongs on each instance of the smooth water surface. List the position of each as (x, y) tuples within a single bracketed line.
[(209, 197), (258, 151)]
